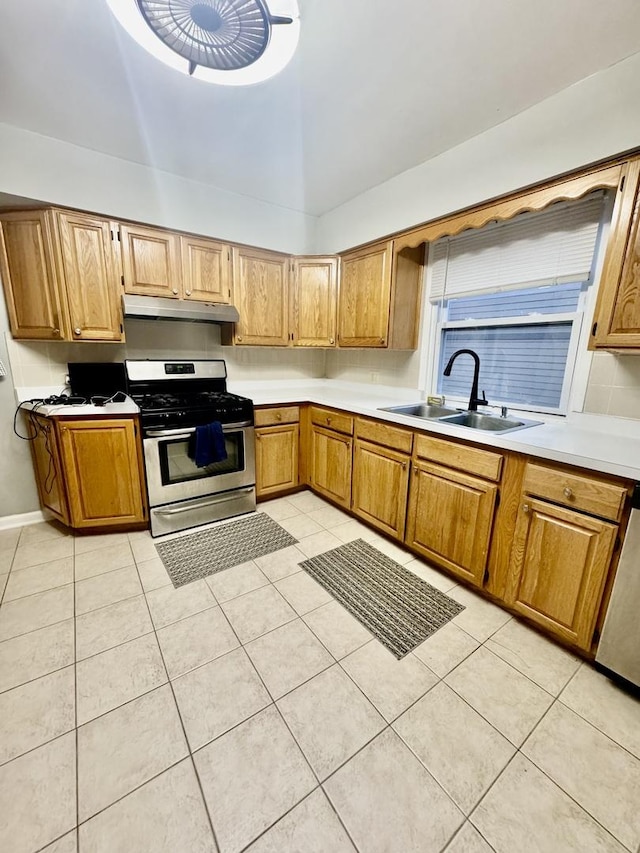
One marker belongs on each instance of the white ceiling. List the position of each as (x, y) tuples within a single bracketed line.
[(376, 88)]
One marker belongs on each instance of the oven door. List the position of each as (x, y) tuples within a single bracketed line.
[(173, 476)]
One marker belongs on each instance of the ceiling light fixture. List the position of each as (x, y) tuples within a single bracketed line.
[(231, 42)]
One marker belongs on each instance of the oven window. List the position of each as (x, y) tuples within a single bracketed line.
[(177, 467)]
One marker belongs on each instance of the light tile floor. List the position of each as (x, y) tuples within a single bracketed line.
[(250, 711)]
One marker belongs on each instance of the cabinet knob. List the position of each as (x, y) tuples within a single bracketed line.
[(525, 508), (175, 291), (279, 416), (328, 421), (332, 341), (56, 333), (567, 492), (186, 293), (77, 331), (415, 470), (239, 338), (404, 466), (258, 436), (382, 340)]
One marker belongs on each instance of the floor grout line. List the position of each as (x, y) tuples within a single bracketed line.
[(184, 732)]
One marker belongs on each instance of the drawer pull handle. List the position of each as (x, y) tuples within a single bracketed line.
[(567, 492), (525, 508)]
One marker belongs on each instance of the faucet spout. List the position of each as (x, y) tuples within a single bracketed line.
[(474, 399)]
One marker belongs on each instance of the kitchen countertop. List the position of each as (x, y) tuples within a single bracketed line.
[(595, 442), (125, 409)]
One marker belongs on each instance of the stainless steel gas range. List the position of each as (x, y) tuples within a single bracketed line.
[(175, 398)]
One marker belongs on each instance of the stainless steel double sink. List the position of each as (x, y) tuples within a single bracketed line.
[(457, 417)]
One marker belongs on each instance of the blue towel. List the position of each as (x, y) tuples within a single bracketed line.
[(207, 445)]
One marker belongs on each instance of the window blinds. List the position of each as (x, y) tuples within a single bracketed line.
[(533, 249)]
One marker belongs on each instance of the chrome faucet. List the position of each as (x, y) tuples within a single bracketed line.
[(474, 400)]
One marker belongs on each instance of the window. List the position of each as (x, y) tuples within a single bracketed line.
[(515, 293)]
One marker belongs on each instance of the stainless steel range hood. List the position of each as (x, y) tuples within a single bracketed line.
[(160, 308)]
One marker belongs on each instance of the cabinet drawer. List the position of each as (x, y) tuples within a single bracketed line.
[(472, 460), (384, 434), (281, 415), (584, 493), (333, 420)]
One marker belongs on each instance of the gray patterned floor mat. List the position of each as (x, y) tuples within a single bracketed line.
[(399, 608), (188, 558)]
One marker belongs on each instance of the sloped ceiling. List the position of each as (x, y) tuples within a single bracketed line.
[(376, 88)]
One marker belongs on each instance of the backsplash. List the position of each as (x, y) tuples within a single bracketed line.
[(614, 380), (398, 368), (39, 363), (614, 385)]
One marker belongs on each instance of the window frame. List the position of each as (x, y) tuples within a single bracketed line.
[(576, 379)]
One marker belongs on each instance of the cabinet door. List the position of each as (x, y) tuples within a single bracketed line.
[(261, 295), (331, 465), (29, 276), (314, 309), (365, 297), (559, 564), (206, 270), (380, 486), (276, 459), (46, 463), (450, 519), (617, 311), (91, 278), (151, 261), (101, 465)]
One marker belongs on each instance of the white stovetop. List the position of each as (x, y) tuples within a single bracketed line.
[(596, 442)]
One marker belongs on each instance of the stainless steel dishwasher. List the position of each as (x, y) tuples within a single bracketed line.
[(619, 647)]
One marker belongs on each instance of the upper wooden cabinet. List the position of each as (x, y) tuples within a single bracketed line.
[(90, 272), (380, 297), (60, 276), (151, 261), (31, 286), (261, 295), (365, 296), (206, 270), (313, 301), (617, 314)]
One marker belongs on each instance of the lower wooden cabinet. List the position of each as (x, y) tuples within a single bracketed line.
[(330, 468), (559, 565), (276, 459), (380, 484), (89, 472), (101, 468), (48, 468), (450, 518)]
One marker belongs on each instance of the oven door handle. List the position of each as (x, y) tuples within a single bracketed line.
[(165, 433), (221, 499)]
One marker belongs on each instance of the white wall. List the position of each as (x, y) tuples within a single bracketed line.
[(18, 492), (589, 121), (38, 167)]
